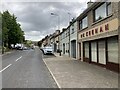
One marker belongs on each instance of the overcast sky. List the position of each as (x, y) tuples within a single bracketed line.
[(36, 20)]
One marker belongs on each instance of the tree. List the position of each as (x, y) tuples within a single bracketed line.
[(40, 43), (5, 36), (0, 29), (28, 43), (0, 32), (12, 32), (13, 36)]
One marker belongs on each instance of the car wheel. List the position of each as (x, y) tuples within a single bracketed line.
[(44, 53)]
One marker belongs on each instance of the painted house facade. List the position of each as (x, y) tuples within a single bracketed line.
[(73, 39), (92, 37), (55, 40), (68, 40), (98, 35), (65, 41)]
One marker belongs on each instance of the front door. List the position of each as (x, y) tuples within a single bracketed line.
[(94, 52), (63, 48), (102, 52), (73, 48), (80, 51)]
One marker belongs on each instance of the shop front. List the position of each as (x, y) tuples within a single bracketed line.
[(103, 52), (112, 59), (100, 45)]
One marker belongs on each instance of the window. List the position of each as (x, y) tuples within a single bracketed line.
[(94, 51), (101, 52), (109, 8), (83, 23), (102, 11), (72, 30), (86, 49), (66, 47), (113, 49), (66, 34), (73, 25)]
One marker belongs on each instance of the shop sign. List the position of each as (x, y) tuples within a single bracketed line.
[(107, 27)]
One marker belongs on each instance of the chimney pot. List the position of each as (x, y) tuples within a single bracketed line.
[(89, 3)]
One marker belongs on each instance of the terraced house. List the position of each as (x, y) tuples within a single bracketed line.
[(54, 40), (65, 41), (68, 41), (93, 36), (73, 38), (98, 28)]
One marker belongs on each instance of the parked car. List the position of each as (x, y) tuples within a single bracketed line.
[(25, 48), (47, 50), (19, 48)]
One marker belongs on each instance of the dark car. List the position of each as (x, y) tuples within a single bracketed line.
[(19, 48)]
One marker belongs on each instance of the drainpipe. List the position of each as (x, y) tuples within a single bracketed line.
[(69, 41), (69, 32), (82, 51), (119, 35)]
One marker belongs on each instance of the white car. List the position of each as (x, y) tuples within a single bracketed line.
[(47, 50), (25, 48)]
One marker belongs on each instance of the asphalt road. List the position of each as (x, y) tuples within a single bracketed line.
[(25, 69)]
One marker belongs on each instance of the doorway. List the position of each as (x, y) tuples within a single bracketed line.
[(73, 48)]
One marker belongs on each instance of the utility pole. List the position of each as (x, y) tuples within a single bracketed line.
[(58, 19), (69, 32)]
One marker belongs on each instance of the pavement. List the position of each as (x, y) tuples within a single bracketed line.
[(5, 53), (71, 73)]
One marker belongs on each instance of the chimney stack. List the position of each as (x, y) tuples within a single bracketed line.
[(89, 3), (63, 29)]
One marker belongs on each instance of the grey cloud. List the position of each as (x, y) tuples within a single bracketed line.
[(35, 16)]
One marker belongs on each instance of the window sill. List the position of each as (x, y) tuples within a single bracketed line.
[(72, 33), (83, 29), (102, 19)]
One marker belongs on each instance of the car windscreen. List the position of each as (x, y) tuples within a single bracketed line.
[(48, 47)]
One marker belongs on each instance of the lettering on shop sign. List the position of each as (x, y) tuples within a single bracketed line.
[(95, 31)]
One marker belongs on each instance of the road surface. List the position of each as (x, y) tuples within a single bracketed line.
[(25, 69)]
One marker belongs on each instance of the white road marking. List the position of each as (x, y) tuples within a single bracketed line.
[(52, 74), (5, 68), (18, 59)]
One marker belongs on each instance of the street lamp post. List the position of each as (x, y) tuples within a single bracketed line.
[(69, 17), (58, 25), (69, 33), (58, 19)]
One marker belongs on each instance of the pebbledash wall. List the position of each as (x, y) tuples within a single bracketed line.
[(64, 41), (73, 39), (98, 35), (68, 40)]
